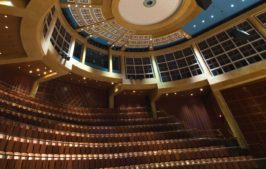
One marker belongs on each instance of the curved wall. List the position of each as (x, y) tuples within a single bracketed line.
[(220, 53), (185, 66)]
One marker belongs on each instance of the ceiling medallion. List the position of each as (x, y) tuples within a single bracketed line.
[(149, 3), (153, 16)]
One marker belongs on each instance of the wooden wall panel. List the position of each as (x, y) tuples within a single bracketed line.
[(131, 101), (201, 112), (248, 105), (17, 81), (73, 94)]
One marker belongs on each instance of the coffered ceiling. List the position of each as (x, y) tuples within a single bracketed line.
[(146, 24)]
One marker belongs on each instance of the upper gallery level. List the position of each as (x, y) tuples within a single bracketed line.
[(165, 46)]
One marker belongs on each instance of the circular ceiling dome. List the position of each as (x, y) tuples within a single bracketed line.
[(147, 12)]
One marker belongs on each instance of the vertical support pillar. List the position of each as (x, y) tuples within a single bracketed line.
[(111, 101), (118, 88), (155, 69), (110, 61), (72, 47), (83, 54), (230, 119), (154, 96), (258, 25), (202, 63), (34, 88), (123, 66), (154, 109)]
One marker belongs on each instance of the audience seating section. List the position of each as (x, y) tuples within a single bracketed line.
[(35, 133)]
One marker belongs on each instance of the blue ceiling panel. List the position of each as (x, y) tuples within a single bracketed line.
[(101, 41), (219, 11), (70, 18)]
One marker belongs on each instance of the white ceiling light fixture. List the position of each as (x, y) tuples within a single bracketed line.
[(149, 3)]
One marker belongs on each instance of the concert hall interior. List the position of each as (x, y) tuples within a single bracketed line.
[(134, 84)]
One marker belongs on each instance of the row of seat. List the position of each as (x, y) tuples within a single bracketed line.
[(239, 162), (87, 121), (63, 125), (36, 102), (36, 134), (13, 103), (19, 144), (137, 145), (132, 158), (67, 110), (158, 155), (25, 130)]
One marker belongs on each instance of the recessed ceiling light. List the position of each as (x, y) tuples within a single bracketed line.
[(84, 78), (0, 53), (45, 68), (192, 94), (203, 21), (175, 93), (134, 91), (44, 73), (76, 5), (212, 16), (194, 26), (112, 83), (84, 6), (201, 89), (232, 5), (69, 5), (50, 71), (28, 65), (166, 94), (37, 69), (90, 6), (19, 67), (39, 74), (6, 27), (30, 72), (5, 16)]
